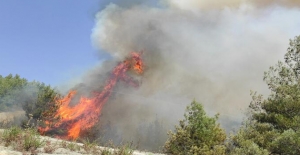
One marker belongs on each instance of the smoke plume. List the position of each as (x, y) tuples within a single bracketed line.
[(215, 4), (212, 51)]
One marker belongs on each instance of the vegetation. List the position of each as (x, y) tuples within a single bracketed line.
[(11, 135), (10, 89), (21, 140), (33, 97), (41, 98), (271, 128), (28, 140), (89, 146), (274, 123), (196, 134)]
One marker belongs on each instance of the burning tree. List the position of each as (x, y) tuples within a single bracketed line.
[(71, 120)]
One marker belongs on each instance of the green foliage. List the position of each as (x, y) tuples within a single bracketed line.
[(288, 143), (274, 123), (252, 139), (248, 147), (22, 140), (88, 145), (282, 108), (106, 152), (10, 89), (73, 146), (33, 97), (41, 99), (196, 134), (10, 135), (31, 139)]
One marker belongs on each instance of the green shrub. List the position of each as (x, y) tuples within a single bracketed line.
[(288, 142), (33, 97), (196, 134), (31, 140), (106, 152), (22, 140), (273, 124), (11, 134), (73, 146), (10, 92)]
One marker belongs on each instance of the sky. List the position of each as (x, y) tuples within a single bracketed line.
[(48, 41)]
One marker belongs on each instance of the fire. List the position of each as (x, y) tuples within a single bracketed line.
[(86, 113)]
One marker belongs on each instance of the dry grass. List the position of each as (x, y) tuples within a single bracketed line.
[(29, 141), (9, 119), (22, 140), (49, 147), (91, 147)]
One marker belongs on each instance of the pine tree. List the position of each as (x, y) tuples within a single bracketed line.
[(274, 122), (196, 134)]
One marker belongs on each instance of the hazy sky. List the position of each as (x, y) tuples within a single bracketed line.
[(48, 41)]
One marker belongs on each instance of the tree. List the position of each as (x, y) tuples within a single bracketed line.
[(33, 97), (274, 123), (10, 88), (196, 134), (40, 99)]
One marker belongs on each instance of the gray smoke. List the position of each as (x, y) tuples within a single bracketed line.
[(211, 51), (216, 5)]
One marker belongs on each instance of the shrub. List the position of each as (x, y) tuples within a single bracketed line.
[(196, 134), (31, 140), (90, 147), (124, 149), (273, 124), (10, 135), (73, 146), (22, 140)]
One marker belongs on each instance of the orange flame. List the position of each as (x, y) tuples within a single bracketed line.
[(86, 113)]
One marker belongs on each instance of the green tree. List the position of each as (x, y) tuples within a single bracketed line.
[(287, 143), (196, 134), (10, 87), (274, 122), (33, 97), (39, 99)]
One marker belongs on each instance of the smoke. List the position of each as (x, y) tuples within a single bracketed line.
[(14, 99), (211, 51), (215, 4)]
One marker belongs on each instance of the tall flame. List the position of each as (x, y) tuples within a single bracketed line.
[(86, 113)]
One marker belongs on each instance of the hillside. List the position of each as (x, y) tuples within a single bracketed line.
[(52, 146)]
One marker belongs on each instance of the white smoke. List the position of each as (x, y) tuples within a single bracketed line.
[(217, 4), (211, 51)]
